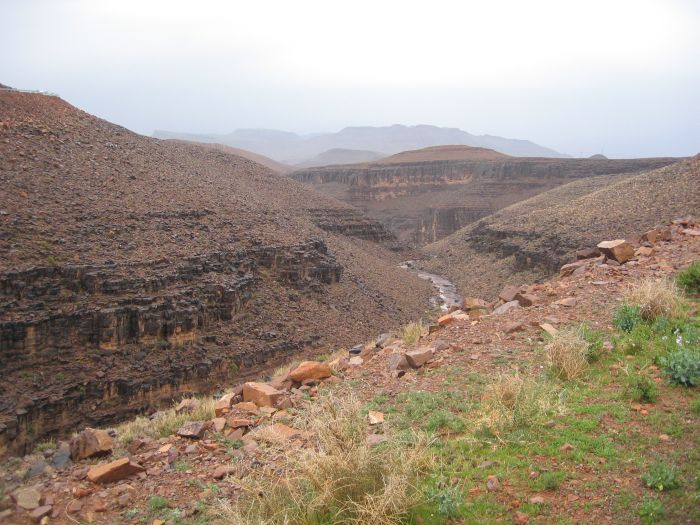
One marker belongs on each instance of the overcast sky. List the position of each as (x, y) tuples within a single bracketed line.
[(620, 77)]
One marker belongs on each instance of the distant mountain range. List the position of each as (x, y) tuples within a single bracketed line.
[(291, 148)]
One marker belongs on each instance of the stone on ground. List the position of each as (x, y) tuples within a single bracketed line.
[(28, 498), (375, 418), (508, 293), (418, 357), (223, 405), (398, 362), (618, 250), (193, 429), (186, 405), (505, 307), (114, 471), (277, 433), (310, 370), (261, 394), (90, 443)]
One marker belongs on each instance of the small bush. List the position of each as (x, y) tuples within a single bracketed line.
[(627, 317), (695, 406), (412, 332), (447, 499), (641, 389), (682, 367), (595, 341), (513, 402), (651, 511), (655, 299), (689, 279), (661, 476), (567, 353), (636, 341), (551, 480), (157, 503), (45, 445)]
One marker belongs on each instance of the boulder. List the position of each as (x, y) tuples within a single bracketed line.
[(651, 236), (261, 394), (473, 303), (569, 302), (239, 422), (27, 498), (39, 513), (418, 357), (356, 361), (310, 370), (504, 308), (587, 253), (223, 405), (114, 471), (618, 250), (247, 406), (398, 362), (90, 443), (569, 269), (218, 424), (193, 429), (508, 293)]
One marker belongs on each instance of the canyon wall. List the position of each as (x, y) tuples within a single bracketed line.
[(422, 202)]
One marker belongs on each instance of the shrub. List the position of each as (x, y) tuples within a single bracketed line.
[(655, 299), (551, 480), (157, 503), (640, 388), (651, 511), (682, 367), (595, 342), (695, 406), (661, 476), (689, 279), (513, 402), (341, 479), (626, 317), (412, 332), (447, 499), (636, 341), (567, 353), (165, 424)]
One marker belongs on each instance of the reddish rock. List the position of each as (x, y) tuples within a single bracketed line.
[(247, 406), (261, 394), (222, 471), (504, 308), (569, 302), (520, 518), (193, 429), (492, 483), (420, 356), (525, 299), (239, 423), (548, 328), (114, 471), (644, 251), (651, 236), (694, 232), (508, 293), (90, 443), (445, 320), (587, 253), (73, 506), (514, 327), (310, 370), (473, 303), (37, 514), (218, 424), (571, 268), (375, 418), (618, 250), (398, 362), (223, 405), (276, 433)]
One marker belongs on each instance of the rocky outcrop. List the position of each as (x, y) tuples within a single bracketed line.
[(422, 202)]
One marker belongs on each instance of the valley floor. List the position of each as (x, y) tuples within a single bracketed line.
[(492, 432)]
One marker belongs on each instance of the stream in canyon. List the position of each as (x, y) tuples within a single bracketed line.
[(447, 295)]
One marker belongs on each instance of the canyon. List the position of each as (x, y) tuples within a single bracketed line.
[(426, 195), (134, 271)]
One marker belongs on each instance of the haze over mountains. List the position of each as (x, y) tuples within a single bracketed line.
[(292, 148)]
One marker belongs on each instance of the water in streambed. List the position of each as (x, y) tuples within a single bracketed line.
[(447, 295)]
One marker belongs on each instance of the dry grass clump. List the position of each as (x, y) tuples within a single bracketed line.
[(512, 401), (340, 479), (567, 353), (656, 299), (166, 424), (411, 332)]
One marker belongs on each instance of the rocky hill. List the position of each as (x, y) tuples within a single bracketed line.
[(134, 269), (559, 405), (260, 159), (533, 238), (341, 156), (425, 195)]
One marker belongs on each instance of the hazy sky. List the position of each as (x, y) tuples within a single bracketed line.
[(620, 77)]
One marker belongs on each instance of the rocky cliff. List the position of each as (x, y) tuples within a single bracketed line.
[(424, 201), (133, 271)]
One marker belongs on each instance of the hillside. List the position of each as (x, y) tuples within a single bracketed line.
[(425, 195), (533, 238), (436, 153), (565, 408), (260, 159), (292, 148), (341, 156), (134, 269)]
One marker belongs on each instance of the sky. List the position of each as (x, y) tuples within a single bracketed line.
[(618, 77)]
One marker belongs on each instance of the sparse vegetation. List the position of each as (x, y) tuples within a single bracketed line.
[(342, 480), (661, 476), (514, 402), (412, 332), (689, 279), (156, 503), (651, 511), (641, 388), (627, 317), (45, 445), (682, 367), (655, 298), (166, 423), (567, 353)]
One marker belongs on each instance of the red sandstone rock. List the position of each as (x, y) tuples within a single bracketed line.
[(90, 443), (114, 471), (261, 394), (310, 370), (417, 358), (618, 250)]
